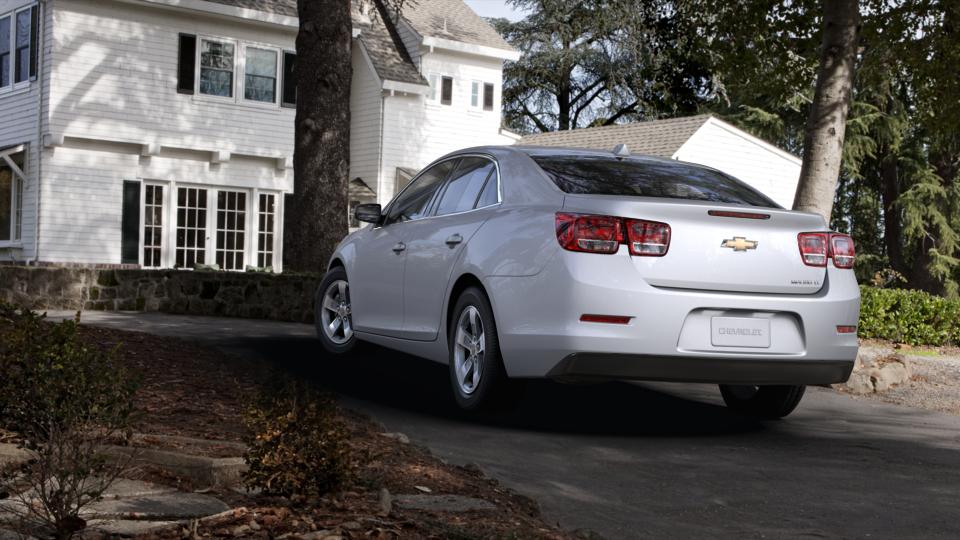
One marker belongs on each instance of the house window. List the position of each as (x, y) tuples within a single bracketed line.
[(152, 226), (231, 225), (11, 192), (191, 227), (475, 94), (216, 68), (22, 44), (487, 97), (5, 47), (446, 90), (266, 214), (260, 75), (18, 57)]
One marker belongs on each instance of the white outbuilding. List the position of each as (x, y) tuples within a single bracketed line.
[(703, 139)]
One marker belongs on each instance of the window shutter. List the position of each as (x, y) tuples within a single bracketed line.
[(487, 97), (289, 84), (186, 65), (34, 40), (130, 224), (446, 91)]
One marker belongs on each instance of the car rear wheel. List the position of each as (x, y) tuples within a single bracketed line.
[(477, 375), (332, 316), (764, 402)]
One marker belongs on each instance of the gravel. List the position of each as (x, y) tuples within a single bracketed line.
[(934, 384)]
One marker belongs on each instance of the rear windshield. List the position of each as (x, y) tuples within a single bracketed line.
[(600, 175)]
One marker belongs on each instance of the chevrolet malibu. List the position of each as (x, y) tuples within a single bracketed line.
[(510, 263)]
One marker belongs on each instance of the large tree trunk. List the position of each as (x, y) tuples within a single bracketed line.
[(892, 224), (823, 142), (316, 214)]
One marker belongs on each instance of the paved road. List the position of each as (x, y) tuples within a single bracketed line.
[(651, 460)]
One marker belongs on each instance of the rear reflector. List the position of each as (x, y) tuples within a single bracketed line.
[(742, 215), (604, 234), (817, 247), (609, 319), (846, 329)]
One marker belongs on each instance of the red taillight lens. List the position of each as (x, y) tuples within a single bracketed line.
[(647, 238), (592, 234), (604, 234), (816, 248), (846, 329), (842, 251), (813, 248), (608, 319)]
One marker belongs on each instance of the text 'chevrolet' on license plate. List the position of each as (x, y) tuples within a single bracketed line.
[(739, 332)]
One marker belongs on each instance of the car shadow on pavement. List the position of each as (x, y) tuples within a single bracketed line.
[(396, 380)]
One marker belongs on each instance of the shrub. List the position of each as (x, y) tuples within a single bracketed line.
[(909, 316), (298, 444), (63, 400)]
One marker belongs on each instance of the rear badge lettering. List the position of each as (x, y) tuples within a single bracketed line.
[(739, 243), (740, 331)]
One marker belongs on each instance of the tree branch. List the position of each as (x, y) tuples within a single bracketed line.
[(536, 120), (625, 110)]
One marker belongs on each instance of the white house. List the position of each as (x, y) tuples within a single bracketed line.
[(703, 139), (159, 133)]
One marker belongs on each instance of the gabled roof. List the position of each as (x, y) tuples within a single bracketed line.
[(453, 20), (654, 138), (387, 54)]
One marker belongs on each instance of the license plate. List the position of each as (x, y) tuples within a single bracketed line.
[(739, 332)]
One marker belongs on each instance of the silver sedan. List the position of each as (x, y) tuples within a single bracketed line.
[(510, 263)]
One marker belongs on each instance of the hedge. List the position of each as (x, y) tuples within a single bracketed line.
[(908, 316)]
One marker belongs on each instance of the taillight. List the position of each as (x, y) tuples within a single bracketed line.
[(604, 234), (593, 234), (841, 249), (647, 238), (816, 248)]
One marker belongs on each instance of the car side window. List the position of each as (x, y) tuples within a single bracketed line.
[(464, 185), (414, 202), (491, 192)]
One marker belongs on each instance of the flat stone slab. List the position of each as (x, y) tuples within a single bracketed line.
[(123, 487), (160, 507), (9, 453), (443, 503), (128, 527)]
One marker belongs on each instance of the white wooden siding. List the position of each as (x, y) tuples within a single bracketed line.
[(773, 172), (365, 115), (417, 130)]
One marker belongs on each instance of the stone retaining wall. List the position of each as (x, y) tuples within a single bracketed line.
[(282, 297)]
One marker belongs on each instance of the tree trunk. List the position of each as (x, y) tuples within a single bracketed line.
[(892, 225), (823, 141), (316, 214)]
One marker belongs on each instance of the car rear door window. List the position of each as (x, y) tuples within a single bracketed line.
[(465, 185), (414, 201), (600, 175)]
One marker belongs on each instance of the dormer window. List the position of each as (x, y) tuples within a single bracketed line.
[(216, 68)]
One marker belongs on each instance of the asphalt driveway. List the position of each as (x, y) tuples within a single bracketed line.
[(648, 460)]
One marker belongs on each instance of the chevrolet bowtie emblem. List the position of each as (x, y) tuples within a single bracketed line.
[(739, 243)]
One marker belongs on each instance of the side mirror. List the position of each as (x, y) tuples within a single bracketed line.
[(369, 213)]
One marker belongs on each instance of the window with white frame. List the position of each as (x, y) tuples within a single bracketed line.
[(11, 193), (153, 226), (217, 59), (260, 75), (475, 87), (18, 30), (434, 80), (231, 226), (266, 216), (191, 227)]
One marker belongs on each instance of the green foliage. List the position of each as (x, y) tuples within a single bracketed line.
[(298, 446), (63, 400), (908, 316)]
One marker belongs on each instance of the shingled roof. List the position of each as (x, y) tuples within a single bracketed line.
[(654, 138), (451, 19), (389, 58)]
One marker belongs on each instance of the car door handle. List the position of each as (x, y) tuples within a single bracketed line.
[(454, 239), (399, 247)]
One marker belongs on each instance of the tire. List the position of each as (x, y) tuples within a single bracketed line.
[(763, 402), (487, 387), (332, 318)]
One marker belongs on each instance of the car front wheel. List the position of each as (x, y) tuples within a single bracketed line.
[(476, 368), (332, 316), (764, 402)]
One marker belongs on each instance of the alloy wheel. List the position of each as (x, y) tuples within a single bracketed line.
[(335, 312), (468, 350)]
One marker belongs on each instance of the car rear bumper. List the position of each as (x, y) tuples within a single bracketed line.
[(696, 369), (668, 336)]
